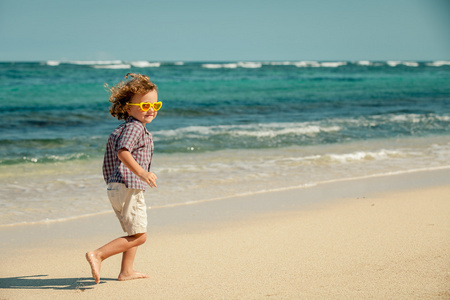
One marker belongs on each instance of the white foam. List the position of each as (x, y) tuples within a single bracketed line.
[(95, 62), (410, 63), (252, 130), (219, 66), (443, 118), (298, 128), (393, 63), (414, 118), (333, 64), (364, 63), (363, 155), (299, 64), (249, 65), (145, 64), (311, 129), (303, 64), (439, 63), (120, 66), (280, 63), (52, 63)]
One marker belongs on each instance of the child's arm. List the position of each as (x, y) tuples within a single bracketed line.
[(128, 160)]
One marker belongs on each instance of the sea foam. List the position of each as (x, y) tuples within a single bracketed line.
[(248, 65), (393, 63), (439, 63), (145, 64), (118, 66), (364, 155), (95, 62), (333, 64), (52, 63)]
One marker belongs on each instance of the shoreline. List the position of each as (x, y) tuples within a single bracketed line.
[(240, 195), (34, 193), (242, 206), (382, 237)]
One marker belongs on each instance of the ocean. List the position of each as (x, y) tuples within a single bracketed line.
[(225, 129)]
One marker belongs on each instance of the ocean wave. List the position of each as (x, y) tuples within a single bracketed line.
[(363, 155), (393, 63), (278, 63), (439, 63), (109, 64), (393, 119), (364, 63), (52, 63), (253, 65), (299, 64), (118, 66), (325, 131), (310, 64), (412, 118), (274, 132), (220, 66), (333, 64), (253, 130), (250, 65), (45, 159), (247, 65), (145, 64), (406, 121), (344, 158), (94, 62), (303, 64)]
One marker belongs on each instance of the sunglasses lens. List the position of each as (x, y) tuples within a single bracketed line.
[(157, 105), (145, 106)]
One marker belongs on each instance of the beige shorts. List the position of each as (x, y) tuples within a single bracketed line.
[(129, 206)]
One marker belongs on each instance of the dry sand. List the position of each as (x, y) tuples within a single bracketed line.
[(379, 238)]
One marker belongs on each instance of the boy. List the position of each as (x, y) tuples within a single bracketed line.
[(126, 169)]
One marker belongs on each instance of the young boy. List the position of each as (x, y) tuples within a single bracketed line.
[(126, 169)]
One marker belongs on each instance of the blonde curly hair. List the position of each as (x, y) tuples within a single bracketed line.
[(123, 92)]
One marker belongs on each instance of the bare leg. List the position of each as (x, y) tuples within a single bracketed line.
[(127, 272), (116, 246)]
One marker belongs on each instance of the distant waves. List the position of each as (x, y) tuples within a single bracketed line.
[(119, 64)]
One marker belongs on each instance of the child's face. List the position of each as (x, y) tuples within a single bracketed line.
[(136, 112)]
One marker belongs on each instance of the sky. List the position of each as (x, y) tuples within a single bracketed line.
[(224, 30)]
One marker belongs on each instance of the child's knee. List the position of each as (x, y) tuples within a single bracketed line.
[(140, 238), (143, 238)]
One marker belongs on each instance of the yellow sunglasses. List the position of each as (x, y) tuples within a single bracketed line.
[(147, 105)]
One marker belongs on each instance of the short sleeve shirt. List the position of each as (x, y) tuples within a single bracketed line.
[(133, 136)]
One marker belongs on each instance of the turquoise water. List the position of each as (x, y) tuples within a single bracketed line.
[(224, 129)]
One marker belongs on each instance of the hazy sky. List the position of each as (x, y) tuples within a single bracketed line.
[(210, 30)]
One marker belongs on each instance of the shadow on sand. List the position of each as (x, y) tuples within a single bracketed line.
[(40, 282)]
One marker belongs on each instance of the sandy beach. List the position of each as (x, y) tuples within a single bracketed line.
[(376, 238)]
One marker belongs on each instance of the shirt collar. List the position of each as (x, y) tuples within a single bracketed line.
[(133, 119)]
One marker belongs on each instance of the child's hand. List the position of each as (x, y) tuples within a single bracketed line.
[(127, 159), (149, 178)]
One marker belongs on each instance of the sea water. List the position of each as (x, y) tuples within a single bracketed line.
[(225, 129)]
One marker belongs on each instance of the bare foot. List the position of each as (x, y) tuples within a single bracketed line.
[(134, 275), (94, 262)]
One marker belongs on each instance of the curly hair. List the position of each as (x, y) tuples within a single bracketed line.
[(123, 92)]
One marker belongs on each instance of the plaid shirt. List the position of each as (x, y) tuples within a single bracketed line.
[(133, 136)]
